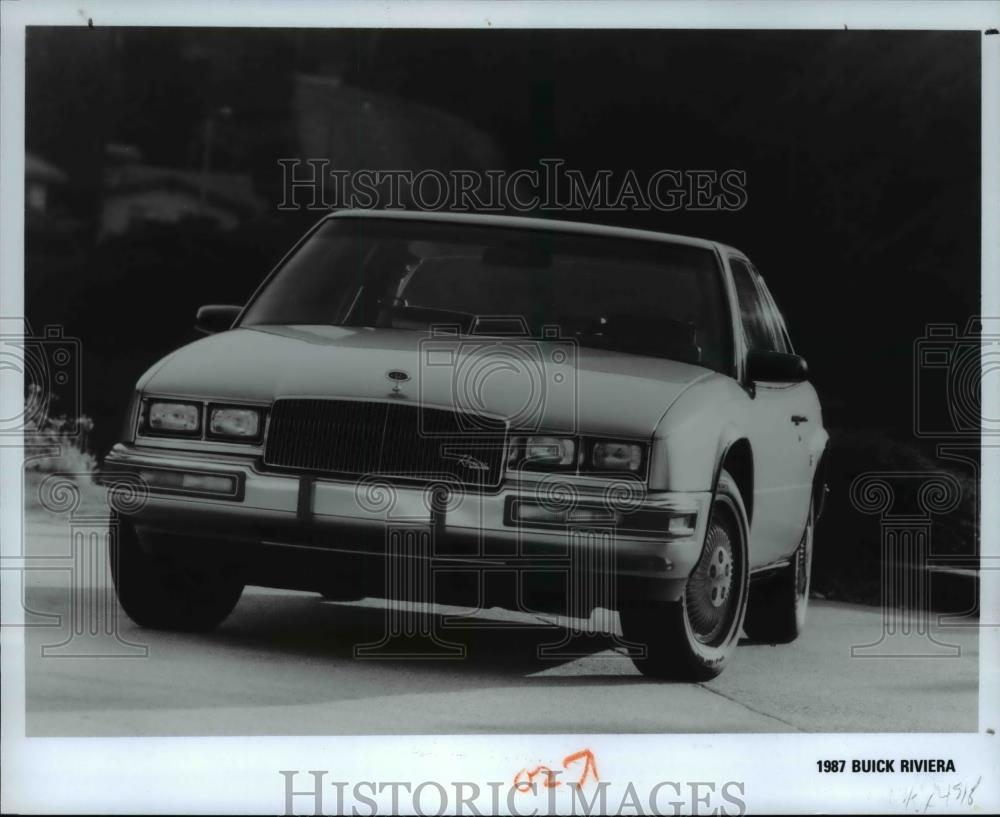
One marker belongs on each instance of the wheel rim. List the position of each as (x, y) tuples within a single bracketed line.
[(712, 592)]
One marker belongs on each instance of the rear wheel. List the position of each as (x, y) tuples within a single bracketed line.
[(694, 637), (169, 593), (776, 613)]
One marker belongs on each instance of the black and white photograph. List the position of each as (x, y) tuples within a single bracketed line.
[(468, 408)]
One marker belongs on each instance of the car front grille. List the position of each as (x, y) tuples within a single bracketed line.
[(387, 439)]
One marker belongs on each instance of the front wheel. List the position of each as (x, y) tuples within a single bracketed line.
[(693, 638), (168, 594)]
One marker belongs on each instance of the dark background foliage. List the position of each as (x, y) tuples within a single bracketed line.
[(861, 149)]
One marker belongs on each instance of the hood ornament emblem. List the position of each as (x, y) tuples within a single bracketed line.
[(470, 462), (397, 376)]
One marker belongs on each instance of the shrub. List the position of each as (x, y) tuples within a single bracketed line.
[(848, 554), (57, 445)]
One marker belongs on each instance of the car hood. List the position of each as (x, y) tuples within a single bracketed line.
[(550, 385)]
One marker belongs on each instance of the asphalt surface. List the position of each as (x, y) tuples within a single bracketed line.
[(284, 664)]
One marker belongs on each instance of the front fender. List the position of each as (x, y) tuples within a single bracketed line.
[(693, 435)]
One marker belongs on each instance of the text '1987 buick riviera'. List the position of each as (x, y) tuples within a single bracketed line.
[(485, 411)]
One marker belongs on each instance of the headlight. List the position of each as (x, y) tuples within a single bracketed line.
[(540, 452), (133, 415), (575, 455), (184, 418), (606, 455), (243, 423)]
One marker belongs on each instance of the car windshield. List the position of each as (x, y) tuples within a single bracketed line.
[(646, 297)]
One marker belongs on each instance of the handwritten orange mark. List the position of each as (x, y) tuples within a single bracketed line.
[(524, 779), (589, 766), (524, 784)]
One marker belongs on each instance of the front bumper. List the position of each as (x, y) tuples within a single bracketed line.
[(228, 498)]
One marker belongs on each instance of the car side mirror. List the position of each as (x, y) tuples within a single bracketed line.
[(777, 367), (216, 318)]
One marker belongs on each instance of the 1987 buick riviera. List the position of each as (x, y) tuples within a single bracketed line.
[(500, 410)]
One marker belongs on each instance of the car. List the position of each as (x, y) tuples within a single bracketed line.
[(484, 410)]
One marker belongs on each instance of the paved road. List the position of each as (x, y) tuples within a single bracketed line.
[(284, 663)]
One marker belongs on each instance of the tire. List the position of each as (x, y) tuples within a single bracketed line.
[(776, 612), (692, 639), (168, 594)]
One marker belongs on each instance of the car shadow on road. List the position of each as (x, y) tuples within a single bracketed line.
[(505, 645)]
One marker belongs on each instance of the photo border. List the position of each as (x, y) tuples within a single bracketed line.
[(240, 775)]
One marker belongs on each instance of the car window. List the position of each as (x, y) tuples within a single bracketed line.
[(776, 318), (758, 324), (657, 298)]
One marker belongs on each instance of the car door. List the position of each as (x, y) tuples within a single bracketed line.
[(775, 421), (806, 417)]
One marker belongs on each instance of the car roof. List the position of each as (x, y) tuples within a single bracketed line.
[(524, 222)]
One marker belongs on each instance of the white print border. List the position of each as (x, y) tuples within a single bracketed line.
[(237, 775)]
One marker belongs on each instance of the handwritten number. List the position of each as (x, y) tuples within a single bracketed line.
[(590, 766), (524, 780)]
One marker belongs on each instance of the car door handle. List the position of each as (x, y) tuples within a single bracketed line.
[(799, 418)]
